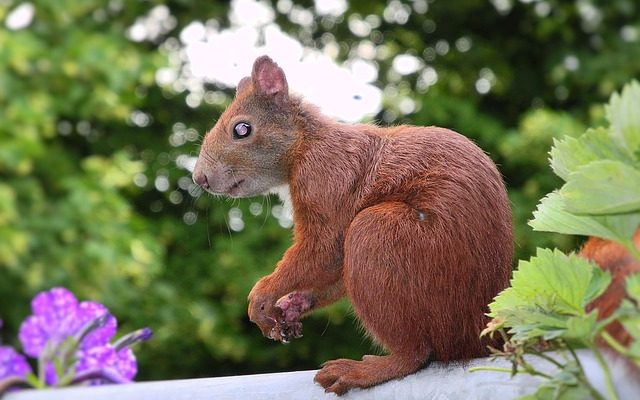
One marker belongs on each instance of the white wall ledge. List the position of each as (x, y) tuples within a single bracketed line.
[(438, 381)]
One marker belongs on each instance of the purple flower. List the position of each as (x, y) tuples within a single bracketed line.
[(12, 363), (58, 315)]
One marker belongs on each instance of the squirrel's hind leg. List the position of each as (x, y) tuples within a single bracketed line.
[(388, 275)]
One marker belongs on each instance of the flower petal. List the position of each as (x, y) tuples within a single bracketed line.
[(33, 335), (58, 315), (54, 318), (95, 358), (106, 358), (91, 359), (88, 311), (12, 363), (55, 303), (50, 376), (127, 364)]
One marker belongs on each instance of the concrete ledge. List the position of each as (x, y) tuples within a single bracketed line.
[(438, 381)]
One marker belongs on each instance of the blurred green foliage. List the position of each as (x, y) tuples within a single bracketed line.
[(547, 307), (91, 197)]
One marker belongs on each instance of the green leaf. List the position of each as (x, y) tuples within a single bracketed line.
[(59, 367), (534, 323), (552, 216), (602, 187), (569, 154), (632, 326), (558, 391), (622, 113), (629, 314), (632, 285), (33, 380), (546, 292), (565, 383), (596, 288), (582, 327), (634, 348)]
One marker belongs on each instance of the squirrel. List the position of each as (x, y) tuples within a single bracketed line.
[(411, 223)]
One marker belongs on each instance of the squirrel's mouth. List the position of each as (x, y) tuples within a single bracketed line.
[(233, 190)]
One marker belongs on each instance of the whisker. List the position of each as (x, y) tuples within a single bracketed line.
[(208, 226), (226, 221), (266, 210)]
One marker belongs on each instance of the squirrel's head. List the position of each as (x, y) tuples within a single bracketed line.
[(246, 152)]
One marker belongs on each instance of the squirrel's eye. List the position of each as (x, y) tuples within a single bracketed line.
[(241, 130)]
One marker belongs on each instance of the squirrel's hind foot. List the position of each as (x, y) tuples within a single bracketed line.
[(339, 376)]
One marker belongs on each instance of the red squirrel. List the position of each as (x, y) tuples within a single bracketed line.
[(411, 223)]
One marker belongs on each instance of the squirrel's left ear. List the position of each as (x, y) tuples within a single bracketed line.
[(243, 85), (269, 79)]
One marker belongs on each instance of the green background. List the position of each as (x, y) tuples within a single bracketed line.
[(78, 201)]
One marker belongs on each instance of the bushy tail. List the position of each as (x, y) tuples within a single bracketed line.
[(614, 258)]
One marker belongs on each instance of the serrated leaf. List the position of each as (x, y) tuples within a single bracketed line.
[(546, 292), (632, 285), (551, 216), (529, 323), (602, 187), (596, 287), (554, 282), (569, 154), (622, 113)]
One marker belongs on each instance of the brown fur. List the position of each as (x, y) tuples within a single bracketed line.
[(411, 223), (616, 259)]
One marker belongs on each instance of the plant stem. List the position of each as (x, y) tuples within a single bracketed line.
[(575, 356), (528, 368), (494, 369), (107, 374), (42, 361), (547, 358), (582, 376), (12, 381), (615, 345), (608, 380), (529, 371)]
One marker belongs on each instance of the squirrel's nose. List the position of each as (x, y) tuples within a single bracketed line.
[(201, 179)]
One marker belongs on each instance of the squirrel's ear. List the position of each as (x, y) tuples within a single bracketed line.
[(269, 79), (243, 85)]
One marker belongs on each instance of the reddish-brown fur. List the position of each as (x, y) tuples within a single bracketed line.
[(616, 259), (411, 223)]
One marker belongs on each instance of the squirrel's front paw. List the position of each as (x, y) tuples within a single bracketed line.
[(292, 306), (263, 313), (279, 320)]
